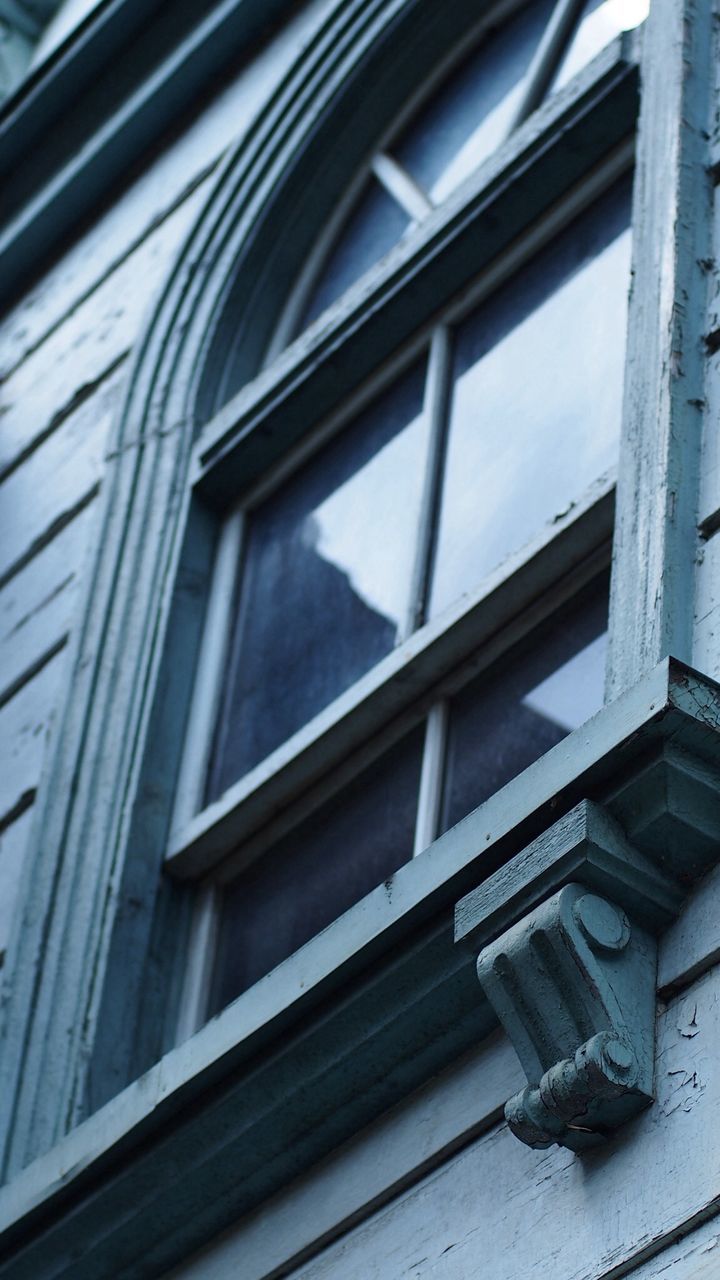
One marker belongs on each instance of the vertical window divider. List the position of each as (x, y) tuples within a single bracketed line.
[(547, 58), (431, 777), (199, 964), (437, 392), (401, 186), (210, 671)]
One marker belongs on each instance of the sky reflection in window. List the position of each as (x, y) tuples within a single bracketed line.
[(473, 111), (326, 579), (600, 22), (535, 415)]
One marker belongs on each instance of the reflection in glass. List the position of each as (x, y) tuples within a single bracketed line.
[(509, 717), (473, 111), (535, 414), (600, 22), (326, 579), (375, 224), (318, 870)]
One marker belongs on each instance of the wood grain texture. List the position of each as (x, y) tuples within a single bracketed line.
[(692, 944), (13, 842), (370, 1170), (58, 479), (24, 724), (514, 1212), (186, 164), (657, 497), (83, 352), (40, 602)]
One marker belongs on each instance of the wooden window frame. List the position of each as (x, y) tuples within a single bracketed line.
[(413, 682)]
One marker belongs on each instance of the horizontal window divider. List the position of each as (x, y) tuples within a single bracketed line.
[(583, 133), (439, 656)]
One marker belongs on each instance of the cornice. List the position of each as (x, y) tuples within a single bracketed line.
[(90, 111)]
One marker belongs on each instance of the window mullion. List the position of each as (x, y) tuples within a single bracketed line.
[(401, 186), (200, 961), (547, 58), (210, 673), (431, 778), (437, 390)]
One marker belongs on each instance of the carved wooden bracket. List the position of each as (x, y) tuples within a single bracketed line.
[(568, 958), (574, 986)]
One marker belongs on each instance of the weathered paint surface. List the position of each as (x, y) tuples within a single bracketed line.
[(500, 1206), (63, 363), (398, 1200)]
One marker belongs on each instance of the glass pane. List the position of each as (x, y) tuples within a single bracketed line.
[(513, 714), (374, 225), (600, 22), (472, 112), (536, 405), (322, 598), (318, 870)]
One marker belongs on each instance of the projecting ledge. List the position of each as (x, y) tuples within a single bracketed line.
[(565, 935)]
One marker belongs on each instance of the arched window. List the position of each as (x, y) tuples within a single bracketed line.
[(386, 641)]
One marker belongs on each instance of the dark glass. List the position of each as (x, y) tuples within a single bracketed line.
[(373, 226), (472, 112), (511, 715), (317, 871), (600, 21), (325, 581), (536, 405)]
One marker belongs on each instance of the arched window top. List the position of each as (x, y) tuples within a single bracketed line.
[(369, 134), (480, 97)]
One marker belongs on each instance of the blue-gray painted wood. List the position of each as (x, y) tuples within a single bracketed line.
[(505, 1211), (420, 1134), (482, 1199), (572, 976), (291, 1068), (39, 604), (13, 843), (105, 132), (81, 872), (656, 538), (585, 846)]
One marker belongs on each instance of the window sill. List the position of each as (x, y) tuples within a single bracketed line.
[(354, 1021)]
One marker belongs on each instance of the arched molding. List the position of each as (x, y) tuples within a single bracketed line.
[(85, 947)]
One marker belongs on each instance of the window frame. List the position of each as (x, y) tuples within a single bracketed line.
[(407, 675), (413, 682)]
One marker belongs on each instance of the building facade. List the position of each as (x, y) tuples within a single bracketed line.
[(359, 491)]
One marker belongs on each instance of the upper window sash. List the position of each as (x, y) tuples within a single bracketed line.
[(402, 687), (469, 236)]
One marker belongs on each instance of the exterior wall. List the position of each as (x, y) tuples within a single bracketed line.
[(64, 356), (440, 1190), (437, 1189)]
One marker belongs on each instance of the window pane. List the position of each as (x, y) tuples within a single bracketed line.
[(472, 112), (318, 870), (326, 579), (600, 22), (536, 405), (511, 715), (374, 225)]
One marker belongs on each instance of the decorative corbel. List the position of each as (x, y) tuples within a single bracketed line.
[(570, 972)]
